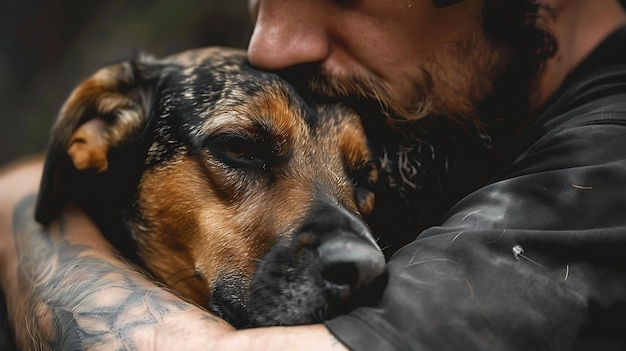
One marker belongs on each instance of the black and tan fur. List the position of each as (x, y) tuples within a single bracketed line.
[(220, 180)]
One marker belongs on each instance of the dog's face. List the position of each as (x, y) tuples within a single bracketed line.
[(237, 193)]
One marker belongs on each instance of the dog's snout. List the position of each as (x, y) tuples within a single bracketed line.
[(350, 264), (350, 261)]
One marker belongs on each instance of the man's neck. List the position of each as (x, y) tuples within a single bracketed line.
[(579, 26)]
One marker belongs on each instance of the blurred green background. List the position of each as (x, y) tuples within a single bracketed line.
[(50, 46)]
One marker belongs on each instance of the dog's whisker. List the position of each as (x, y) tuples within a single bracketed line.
[(183, 279), (385, 248), (182, 271)]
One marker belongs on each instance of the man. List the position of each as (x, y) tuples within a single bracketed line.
[(533, 259)]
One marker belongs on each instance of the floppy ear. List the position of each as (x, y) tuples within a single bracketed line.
[(107, 113)]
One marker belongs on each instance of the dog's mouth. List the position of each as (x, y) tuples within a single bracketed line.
[(290, 293), (230, 312), (226, 303)]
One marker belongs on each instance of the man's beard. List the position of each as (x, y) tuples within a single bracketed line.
[(437, 97), (371, 90)]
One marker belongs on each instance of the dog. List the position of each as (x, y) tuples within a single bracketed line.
[(223, 183)]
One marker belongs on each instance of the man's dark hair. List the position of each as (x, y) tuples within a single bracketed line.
[(521, 26)]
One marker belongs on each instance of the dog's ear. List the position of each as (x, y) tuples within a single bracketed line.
[(106, 112)]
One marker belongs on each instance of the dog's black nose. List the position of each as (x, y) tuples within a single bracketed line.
[(350, 264)]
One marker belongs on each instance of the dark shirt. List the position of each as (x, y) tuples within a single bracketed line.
[(534, 260)]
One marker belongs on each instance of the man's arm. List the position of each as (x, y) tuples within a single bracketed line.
[(67, 289)]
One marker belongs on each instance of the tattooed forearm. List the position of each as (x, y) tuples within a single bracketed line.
[(74, 299)]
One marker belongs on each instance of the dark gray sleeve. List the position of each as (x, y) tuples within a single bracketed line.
[(534, 261)]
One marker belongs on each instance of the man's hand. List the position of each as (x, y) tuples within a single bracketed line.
[(66, 288)]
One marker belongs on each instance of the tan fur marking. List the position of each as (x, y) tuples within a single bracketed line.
[(81, 120), (367, 205), (89, 145), (194, 229)]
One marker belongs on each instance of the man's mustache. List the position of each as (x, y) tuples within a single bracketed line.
[(356, 90)]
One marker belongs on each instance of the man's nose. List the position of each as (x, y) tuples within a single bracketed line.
[(287, 35)]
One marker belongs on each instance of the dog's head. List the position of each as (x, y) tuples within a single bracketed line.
[(229, 187)]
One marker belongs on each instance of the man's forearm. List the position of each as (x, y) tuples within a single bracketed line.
[(67, 289), (77, 296)]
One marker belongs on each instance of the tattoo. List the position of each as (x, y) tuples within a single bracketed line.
[(73, 300)]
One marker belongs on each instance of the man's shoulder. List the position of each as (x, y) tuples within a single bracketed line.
[(594, 95), (599, 79)]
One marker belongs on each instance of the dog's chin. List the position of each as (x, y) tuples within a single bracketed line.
[(298, 302), (300, 306), (284, 291), (285, 297), (289, 288), (279, 294)]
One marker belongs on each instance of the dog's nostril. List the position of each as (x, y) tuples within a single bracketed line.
[(341, 273), (350, 263)]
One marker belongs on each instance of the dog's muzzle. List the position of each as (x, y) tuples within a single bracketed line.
[(330, 265)]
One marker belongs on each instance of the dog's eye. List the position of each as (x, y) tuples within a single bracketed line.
[(242, 151), (238, 148), (363, 183), (364, 177)]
